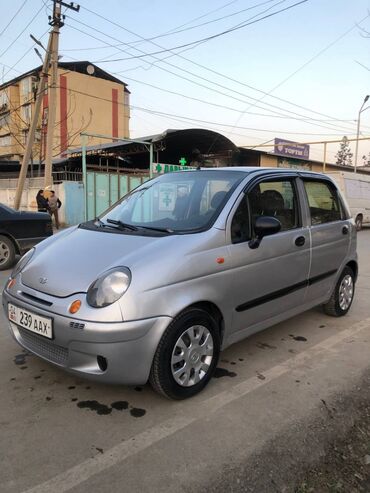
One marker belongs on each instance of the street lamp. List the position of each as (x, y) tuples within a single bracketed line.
[(358, 128)]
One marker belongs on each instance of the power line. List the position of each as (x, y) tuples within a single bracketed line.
[(20, 34), (148, 110), (179, 29), (182, 77), (168, 91), (14, 16), (25, 54), (333, 126), (308, 62), (156, 112), (207, 68), (208, 38)]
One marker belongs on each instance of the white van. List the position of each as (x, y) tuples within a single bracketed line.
[(356, 189)]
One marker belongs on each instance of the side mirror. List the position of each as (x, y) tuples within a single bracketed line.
[(264, 226)]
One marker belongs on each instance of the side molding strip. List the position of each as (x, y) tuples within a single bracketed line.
[(283, 292)]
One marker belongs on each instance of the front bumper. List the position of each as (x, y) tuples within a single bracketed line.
[(126, 347)]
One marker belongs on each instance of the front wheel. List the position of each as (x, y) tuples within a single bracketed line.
[(342, 297), (186, 356)]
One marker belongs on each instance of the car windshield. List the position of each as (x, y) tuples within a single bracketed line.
[(175, 202)]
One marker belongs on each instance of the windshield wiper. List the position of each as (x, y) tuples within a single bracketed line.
[(162, 230), (122, 225)]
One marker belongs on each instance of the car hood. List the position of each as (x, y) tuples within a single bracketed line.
[(69, 264)]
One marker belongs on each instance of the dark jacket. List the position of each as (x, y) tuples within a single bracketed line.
[(42, 203)]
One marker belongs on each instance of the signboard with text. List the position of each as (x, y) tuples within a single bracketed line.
[(159, 168), (288, 148)]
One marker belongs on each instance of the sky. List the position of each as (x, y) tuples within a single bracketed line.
[(299, 74)]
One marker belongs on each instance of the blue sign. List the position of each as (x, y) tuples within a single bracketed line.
[(288, 148)]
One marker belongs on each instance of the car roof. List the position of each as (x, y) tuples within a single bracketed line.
[(257, 169)]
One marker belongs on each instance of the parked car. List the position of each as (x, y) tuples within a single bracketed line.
[(179, 269), (20, 231)]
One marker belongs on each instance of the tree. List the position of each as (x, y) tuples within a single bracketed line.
[(366, 160), (344, 155)]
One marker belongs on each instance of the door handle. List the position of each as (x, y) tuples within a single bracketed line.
[(300, 241), (345, 230)]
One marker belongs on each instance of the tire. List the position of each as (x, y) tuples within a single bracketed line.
[(179, 372), (342, 297), (358, 222), (7, 253)]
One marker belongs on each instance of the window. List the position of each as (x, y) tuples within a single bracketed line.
[(4, 120), (26, 113), (240, 230), (5, 140), (271, 198), (26, 87), (3, 100), (323, 202)]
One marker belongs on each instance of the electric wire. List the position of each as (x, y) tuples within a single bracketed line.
[(323, 50), (179, 29), (210, 70), (157, 112), (336, 127), (20, 34), (311, 121), (14, 16), (208, 38)]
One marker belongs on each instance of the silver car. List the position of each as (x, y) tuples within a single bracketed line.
[(180, 268)]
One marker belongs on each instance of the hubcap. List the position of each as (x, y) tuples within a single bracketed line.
[(192, 356), (345, 292), (4, 252)]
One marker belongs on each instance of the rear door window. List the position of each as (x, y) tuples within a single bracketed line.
[(323, 202)]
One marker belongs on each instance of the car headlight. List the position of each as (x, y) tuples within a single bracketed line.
[(22, 263), (109, 287)]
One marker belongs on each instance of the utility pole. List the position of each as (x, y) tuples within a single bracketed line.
[(56, 22), (358, 129), (31, 132), (51, 55)]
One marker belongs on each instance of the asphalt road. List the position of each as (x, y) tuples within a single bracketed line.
[(277, 399)]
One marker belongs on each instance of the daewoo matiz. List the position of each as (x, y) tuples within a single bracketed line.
[(180, 268)]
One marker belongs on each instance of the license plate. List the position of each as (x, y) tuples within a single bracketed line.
[(31, 321)]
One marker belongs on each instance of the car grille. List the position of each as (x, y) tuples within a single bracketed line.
[(76, 325), (44, 348)]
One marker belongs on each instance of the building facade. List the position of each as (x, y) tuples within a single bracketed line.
[(88, 100)]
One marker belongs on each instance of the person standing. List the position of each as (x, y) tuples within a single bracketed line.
[(42, 203), (54, 205)]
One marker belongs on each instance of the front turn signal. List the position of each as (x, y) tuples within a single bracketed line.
[(75, 306), (11, 283)]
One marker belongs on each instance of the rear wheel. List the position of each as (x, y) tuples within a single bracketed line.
[(358, 222), (7, 253), (186, 356), (342, 297)]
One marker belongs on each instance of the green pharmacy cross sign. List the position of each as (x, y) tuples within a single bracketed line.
[(182, 161)]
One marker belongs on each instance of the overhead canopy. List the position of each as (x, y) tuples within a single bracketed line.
[(170, 146)]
